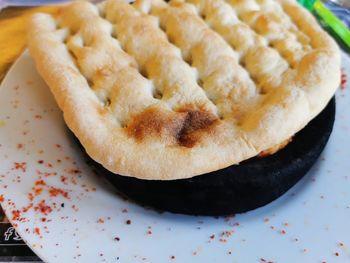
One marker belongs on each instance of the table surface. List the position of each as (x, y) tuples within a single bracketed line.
[(12, 33)]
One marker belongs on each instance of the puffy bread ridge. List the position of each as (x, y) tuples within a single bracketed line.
[(164, 91)]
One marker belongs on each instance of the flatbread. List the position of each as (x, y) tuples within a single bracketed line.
[(163, 91)]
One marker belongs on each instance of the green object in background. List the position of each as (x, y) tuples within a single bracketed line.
[(316, 6)]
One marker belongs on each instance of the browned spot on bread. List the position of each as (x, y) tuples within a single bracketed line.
[(153, 122), (196, 122), (183, 128)]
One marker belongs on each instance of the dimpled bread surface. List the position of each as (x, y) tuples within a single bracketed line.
[(169, 90)]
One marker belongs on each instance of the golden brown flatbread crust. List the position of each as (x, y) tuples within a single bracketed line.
[(164, 91)]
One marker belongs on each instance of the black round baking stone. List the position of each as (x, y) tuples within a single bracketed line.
[(237, 188)]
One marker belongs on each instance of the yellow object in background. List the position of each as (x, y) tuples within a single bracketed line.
[(13, 33)]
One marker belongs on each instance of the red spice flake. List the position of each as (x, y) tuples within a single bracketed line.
[(30, 197), (124, 210), (58, 145), (341, 244), (100, 221), (336, 254), (40, 162), (283, 232), (43, 208), (26, 208), (1, 198), (63, 179), (16, 215), (227, 233), (46, 174), (212, 236), (57, 191), (37, 191), (286, 224), (343, 80), (172, 257), (128, 222), (49, 165), (58, 160), (149, 232), (40, 182), (19, 146), (43, 219), (263, 260), (20, 166), (38, 117), (37, 230), (117, 238)]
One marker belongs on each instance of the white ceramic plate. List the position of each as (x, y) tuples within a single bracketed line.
[(38, 157)]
